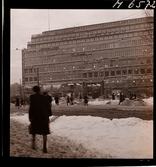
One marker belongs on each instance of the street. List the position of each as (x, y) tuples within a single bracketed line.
[(105, 111)]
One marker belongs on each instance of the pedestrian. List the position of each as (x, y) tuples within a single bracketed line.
[(123, 97), (130, 95), (17, 102), (67, 100), (113, 96), (120, 98), (85, 100), (134, 96), (22, 102), (39, 117), (56, 100), (49, 98), (71, 100)]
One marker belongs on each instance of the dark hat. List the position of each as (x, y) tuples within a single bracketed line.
[(36, 89)]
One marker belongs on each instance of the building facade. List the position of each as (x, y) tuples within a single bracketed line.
[(101, 57)]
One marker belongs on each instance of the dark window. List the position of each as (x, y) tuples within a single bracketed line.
[(149, 70), (148, 61), (90, 74), (84, 75), (107, 73), (118, 72), (35, 78), (26, 79), (130, 71), (142, 71), (95, 74), (112, 73), (26, 70), (30, 70), (30, 79), (124, 72)]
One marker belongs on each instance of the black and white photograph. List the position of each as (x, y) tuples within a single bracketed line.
[(81, 83)]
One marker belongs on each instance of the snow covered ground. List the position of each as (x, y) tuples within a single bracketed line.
[(117, 138), (97, 101)]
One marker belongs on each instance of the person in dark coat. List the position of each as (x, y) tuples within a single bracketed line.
[(39, 116), (17, 102), (22, 102), (86, 100), (67, 99), (56, 100), (71, 100), (113, 96), (120, 98)]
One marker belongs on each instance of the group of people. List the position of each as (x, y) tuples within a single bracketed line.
[(70, 99), (20, 102), (121, 97)]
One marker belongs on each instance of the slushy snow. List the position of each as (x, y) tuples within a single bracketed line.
[(97, 101), (117, 138)]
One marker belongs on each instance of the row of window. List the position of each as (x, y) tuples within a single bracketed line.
[(108, 31), (96, 26), (88, 64), (38, 58), (71, 75), (38, 54), (100, 38)]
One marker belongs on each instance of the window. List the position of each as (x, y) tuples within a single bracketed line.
[(118, 72), (35, 78), (142, 71), (107, 73), (112, 73), (136, 71), (30, 79), (95, 74), (100, 74), (26, 79), (26, 70), (130, 71), (149, 70), (30, 70), (124, 72), (84, 75), (148, 61), (90, 74)]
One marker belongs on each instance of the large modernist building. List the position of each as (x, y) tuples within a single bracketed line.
[(111, 56)]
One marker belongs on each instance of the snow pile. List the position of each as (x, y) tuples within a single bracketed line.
[(98, 102), (113, 102), (149, 101), (136, 102), (126, 102), (117, 138)]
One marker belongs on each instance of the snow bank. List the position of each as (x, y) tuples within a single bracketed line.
[(149, 100), (117, 138), (127, 102)]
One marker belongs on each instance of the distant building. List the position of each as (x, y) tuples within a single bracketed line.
[(102, 57)]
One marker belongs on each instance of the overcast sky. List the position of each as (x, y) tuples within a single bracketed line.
[(27, 22)]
